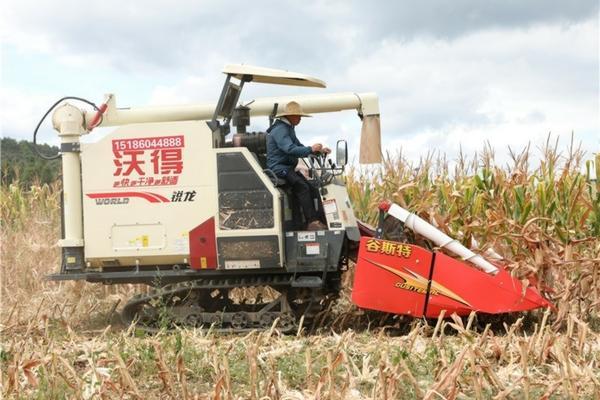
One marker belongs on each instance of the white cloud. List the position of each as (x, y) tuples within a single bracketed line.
[(505, 87), (446, 75), (21, 113), (159, 35)]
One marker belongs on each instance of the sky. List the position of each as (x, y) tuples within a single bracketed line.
[(450, 75)]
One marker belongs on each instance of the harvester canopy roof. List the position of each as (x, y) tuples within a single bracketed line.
[(274, 76)]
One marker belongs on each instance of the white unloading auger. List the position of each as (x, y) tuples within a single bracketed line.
[(422, 227)]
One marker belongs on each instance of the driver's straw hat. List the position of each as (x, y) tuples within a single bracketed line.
[(293, 108)]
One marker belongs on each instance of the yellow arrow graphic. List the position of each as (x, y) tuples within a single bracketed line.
[(417, 283)]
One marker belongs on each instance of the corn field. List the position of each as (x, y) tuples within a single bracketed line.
[(65, 340)]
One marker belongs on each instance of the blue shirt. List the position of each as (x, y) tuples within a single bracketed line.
[(284, 148)]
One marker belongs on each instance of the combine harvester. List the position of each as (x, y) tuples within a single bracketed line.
[(173, 200)]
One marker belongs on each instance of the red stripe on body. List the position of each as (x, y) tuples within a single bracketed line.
[(151, 197), (158, 196)]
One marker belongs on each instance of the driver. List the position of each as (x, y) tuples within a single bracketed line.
[(283, 151)]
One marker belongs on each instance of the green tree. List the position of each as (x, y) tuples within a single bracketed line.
[(20, 163)]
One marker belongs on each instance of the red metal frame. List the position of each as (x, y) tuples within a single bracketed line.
[(406, 279), (203, 246)]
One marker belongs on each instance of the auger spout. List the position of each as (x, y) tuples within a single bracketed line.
[(422, 227)]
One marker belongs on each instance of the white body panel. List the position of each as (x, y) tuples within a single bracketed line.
[(170, 189), (146, 186)]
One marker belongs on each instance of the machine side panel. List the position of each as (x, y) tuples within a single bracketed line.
[(313, 251), (145, 187), (244, 200), (249, 227), (248, 252)]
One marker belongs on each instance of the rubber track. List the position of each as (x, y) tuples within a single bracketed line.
[(128, 313)]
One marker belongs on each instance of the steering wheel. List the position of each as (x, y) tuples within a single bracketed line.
[(320, 160)]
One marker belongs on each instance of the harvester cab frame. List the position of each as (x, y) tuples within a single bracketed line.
[(171, 200), (320, 172), (168, 201), (321, 169), (230, 95)]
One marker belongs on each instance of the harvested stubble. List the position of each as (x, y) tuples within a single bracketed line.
[(58, 341)]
